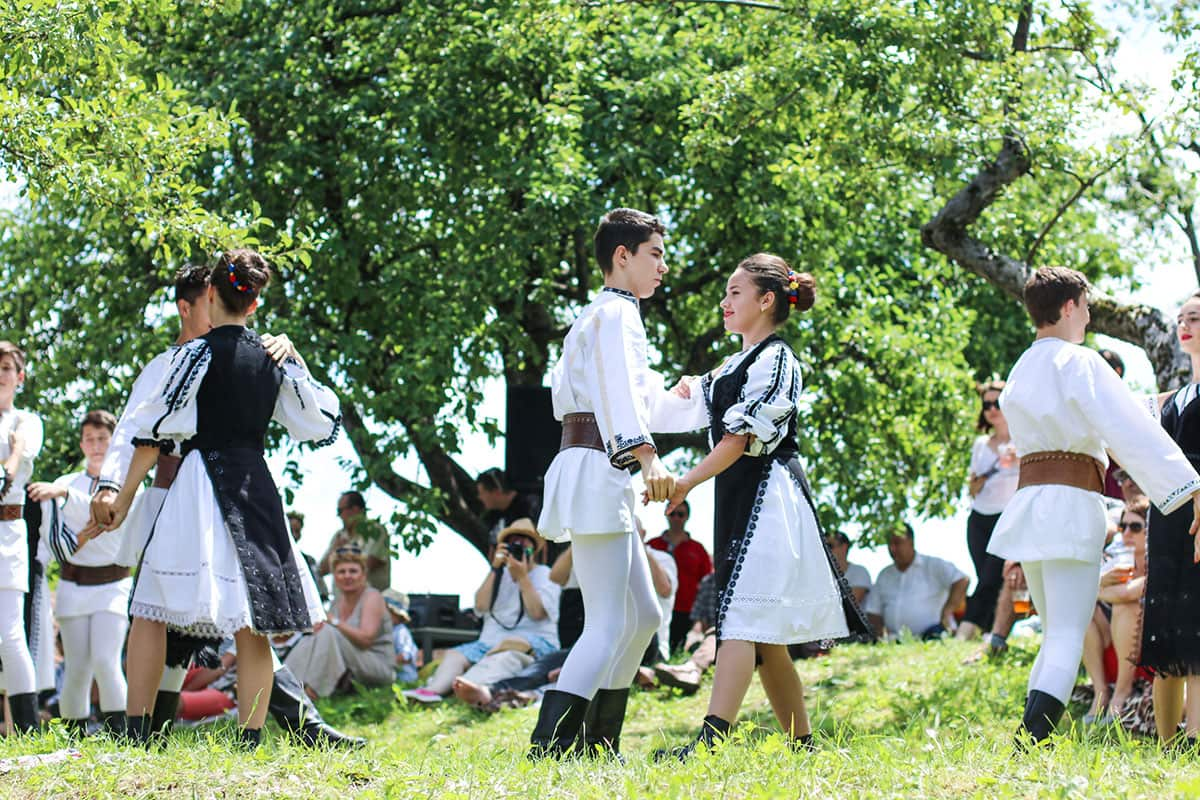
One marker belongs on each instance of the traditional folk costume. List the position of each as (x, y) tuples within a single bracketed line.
[(289, 704), (220, 557), (777, 581), (1171, 622), (20, 680), (609, 401), (91, 604), (1065, 406)]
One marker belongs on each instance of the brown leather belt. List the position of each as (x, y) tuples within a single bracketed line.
[(93, 576), (1061, 468), (165, 471), (580, 430), (10, 513)]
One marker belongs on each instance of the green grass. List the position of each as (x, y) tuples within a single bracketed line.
[(906, 720)]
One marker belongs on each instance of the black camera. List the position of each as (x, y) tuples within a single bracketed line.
[(518, 550)]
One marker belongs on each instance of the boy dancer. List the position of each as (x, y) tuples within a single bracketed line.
[(608, 401), (288, 703), (1065, 406)]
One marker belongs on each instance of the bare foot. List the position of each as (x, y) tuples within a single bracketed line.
[(645, 678), (472, 693)]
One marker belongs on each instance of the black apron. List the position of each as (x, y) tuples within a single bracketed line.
[(739, 489)]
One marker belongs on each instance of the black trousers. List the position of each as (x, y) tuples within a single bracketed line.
[(989, 570), (681, 623)]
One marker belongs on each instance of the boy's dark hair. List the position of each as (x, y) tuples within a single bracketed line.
[(99, 419), (623, 226), (190, 282), (837, 537), (494, 480), (356, 499), (1048, 288)]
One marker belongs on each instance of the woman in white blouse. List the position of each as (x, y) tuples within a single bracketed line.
[(993, 482)]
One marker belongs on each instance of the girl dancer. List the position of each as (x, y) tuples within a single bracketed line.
[(220, 560), (1171, 626), (1065, 407), (777, 582)]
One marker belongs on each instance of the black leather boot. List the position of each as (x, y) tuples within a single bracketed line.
[(559, 722), (295, 713), (1042, 713), (166, 708), (249, 738), (603, 723), (76, 728), (137, 731), (712, 730), (24, 709), (113, 722)]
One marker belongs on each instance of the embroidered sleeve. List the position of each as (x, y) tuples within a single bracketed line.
[(167, 417), (1139, 444), (618, 381), (310, 411), (767, 403), (56, 533), (120, 449)]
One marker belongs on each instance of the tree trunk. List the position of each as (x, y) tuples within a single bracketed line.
[(948, 234)]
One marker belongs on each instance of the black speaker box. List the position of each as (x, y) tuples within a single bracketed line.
[(531, 437)]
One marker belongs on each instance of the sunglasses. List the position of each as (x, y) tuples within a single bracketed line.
[(1132, 527), (988, 405), (677, 514), (348, 550)]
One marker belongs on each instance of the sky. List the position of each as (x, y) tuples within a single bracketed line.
[(451, 566)]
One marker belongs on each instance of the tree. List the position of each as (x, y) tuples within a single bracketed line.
[(448, 169)]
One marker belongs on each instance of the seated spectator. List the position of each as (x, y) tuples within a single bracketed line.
[(209, 692), (995, 642), (701, 638), (1111, 637), (408, 655), (692, 562), (917, 593), (519, 690), (519, 604), (355, 643), (570, 599), (856, 574), (360, 531), (296, 524)]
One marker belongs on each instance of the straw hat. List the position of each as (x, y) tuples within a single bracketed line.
[(397, 603), (525, 527)]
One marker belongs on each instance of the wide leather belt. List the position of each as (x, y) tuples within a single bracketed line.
[(580, 430), (93, 576), (165, 471), (1061, 468), (8, 513)]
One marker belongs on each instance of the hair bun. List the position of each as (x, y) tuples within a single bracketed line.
[(806, 291)]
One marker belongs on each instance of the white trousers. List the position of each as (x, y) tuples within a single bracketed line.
[(621, 613), (92, 650), (1064, 593), (14, 650)]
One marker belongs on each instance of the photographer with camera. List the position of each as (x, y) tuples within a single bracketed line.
[(519, 606)]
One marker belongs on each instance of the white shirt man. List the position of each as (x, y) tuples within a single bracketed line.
[(917, 593)]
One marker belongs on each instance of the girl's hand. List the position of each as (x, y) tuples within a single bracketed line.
[(682, 487), (684, 387)]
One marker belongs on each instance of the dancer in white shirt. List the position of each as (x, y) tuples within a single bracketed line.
[(20, 442), (1065, 407), (609, 401), (92, 600)]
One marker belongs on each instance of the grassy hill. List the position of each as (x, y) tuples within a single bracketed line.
[(908, 720)]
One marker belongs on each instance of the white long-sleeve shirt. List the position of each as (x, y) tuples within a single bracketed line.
[(603, 371), (1062, 396)]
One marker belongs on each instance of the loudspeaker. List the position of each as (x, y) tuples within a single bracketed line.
[(433, 610), (531, 437)]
